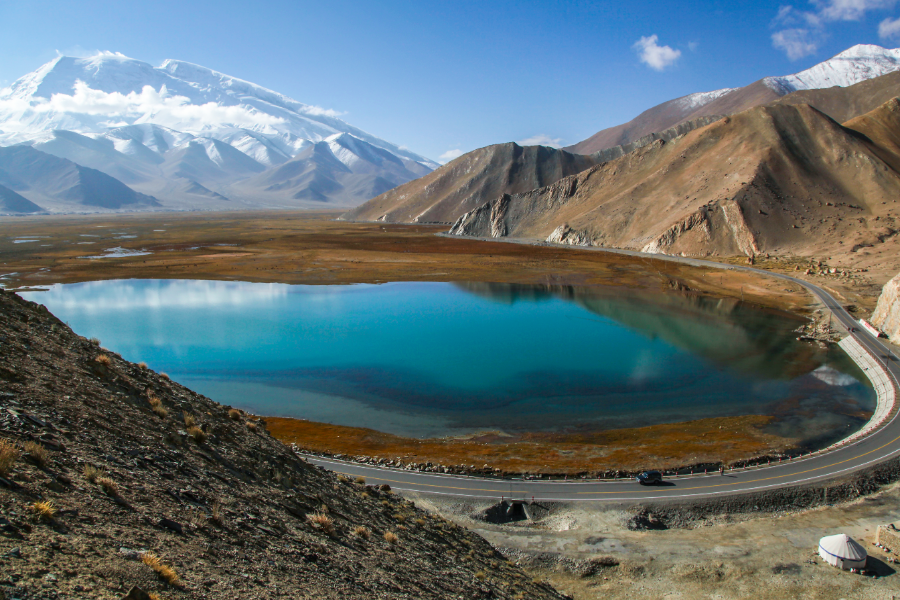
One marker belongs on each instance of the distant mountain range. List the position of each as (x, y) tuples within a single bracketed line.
[(193, 138), (779, 175)]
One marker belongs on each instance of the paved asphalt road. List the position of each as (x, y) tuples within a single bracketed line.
[(881, 445)]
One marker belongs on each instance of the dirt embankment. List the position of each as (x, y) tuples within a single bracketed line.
[(113, 476)]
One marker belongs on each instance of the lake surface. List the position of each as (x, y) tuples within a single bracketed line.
[(435, 359)]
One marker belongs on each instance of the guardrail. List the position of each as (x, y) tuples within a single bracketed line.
[(882, 382)]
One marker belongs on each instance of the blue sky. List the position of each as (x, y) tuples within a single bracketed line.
[(448, 76)]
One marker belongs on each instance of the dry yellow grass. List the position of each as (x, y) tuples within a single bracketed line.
[(234, 414), (480, 575), (9, 454), (361, 480), (95, 341), (164, 376), (37, 453), (44, 510), (157, 407), (92, 473), (166, 572), (198, 434), (251, 425), (142, 365), (110, 487), (322, 522), (189, 420), (391, 538), (217, 514), (103, 360), (361, 532)]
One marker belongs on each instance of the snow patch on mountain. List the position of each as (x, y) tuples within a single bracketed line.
[(695, 101)]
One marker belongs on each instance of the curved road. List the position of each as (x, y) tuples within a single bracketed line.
[(882, 444)]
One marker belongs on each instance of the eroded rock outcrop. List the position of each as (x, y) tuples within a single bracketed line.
[(887, 312)]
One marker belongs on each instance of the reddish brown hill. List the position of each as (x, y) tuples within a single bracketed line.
[(777, 178), (469, 181)]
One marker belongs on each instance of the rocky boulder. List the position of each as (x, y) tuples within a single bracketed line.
[(887, 312)]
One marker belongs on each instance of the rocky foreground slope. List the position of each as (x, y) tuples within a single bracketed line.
[(128, 479), (887, 312)]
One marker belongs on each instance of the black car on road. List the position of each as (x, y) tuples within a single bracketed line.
[(649, 478)]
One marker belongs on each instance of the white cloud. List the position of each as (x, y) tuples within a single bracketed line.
[(653, 55), (796, 43), (541, 140), (889, 28), (318, 111), (804, 31), (146, 106), (849, 10), (449, 155)]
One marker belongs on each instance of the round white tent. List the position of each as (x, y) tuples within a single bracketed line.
[(842, 551)]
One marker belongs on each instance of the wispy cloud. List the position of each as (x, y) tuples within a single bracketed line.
[(800, 33), (653, 55), (889, 29), (541, 140), (146, 106), (318, 111), (449, 155)]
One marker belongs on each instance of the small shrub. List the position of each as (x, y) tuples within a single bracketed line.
[(421, 522), (103, 360), (391, 538), (157, 407), (164, 376), (234, 414), (360, 480), (44, 510), (361, 532), (322, 522), (343, 478), (95, 341), (92, 473), (37, 453), (189, 420), (480, 575), (166, 572), (154, 596), (251, 425), (110, 487), (198, 434), (217, 515), (9, 454), (142, 365), (399, 517)]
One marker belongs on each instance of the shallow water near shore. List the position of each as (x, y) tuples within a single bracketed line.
[(439, 359)]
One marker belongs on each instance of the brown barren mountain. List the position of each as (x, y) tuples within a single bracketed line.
[(469, 181), (784, 179)]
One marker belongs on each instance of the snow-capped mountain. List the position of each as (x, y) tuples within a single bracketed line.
[(164, 130), (854, 65), (859, 63)]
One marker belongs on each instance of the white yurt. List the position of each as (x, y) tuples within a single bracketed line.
[(842, 551)]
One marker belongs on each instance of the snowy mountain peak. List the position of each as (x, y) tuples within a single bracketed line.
[(110, 90), (856, 64)]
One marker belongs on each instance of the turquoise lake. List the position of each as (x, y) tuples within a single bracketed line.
[(435, 359)]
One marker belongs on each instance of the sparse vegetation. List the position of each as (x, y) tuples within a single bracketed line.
[(391, 538), (322, 522), (164, 376), (361, 480), (95, 341), (189, 420), (157, 407), (9, 454), (198, 434), (217, 514), (399, 517), (37, 453), (92, 473), (103, 360), (165, 572), (251, 425), (480, 575), (361, 532), (142, 365), (234, 414), (109, 486), (44, 510)]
